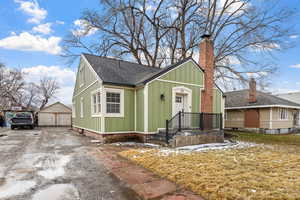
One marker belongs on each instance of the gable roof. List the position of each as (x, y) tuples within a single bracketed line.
[(67, 107), (239, 99), (119, 72)]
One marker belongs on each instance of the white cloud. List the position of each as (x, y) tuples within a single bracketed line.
[(28, 42), (32, 9), (43, 28), (60, 22), (295, 66), (233, 6), (64, 76), (82, 28), (267, 46), (294, 36)]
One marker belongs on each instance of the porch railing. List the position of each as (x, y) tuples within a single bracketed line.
[(193, 121)]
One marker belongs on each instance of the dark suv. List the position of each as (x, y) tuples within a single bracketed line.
[(22, 120)]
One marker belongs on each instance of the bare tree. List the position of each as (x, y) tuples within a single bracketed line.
[(11, 86), (156, 33), (47, 88)]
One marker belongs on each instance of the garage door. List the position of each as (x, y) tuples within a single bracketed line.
[(252, 118), (63, 119), (46, 119)]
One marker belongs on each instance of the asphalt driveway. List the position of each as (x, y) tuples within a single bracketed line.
[(53, 163)]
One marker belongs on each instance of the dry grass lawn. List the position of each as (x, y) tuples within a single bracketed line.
[(261, 172)]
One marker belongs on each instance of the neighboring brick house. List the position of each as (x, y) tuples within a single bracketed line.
[(116, 97), (260, 112)]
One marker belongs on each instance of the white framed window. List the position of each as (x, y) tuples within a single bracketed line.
[(81, 107), (283, 114), (81, 76), (74, 109), (114, 105), (96, 103)]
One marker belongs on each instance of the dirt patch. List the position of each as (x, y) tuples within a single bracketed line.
[(260, 172)]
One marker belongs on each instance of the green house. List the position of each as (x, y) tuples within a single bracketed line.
[(115, 97)]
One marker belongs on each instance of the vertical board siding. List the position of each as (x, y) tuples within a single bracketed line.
[(89, 77), (159, 110), (126, 123), (140, 109), (89, 122), (186, 73), (217, 100)]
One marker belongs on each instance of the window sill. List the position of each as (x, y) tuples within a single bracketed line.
[(114, 115), (96, 115)]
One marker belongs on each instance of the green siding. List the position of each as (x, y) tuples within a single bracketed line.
[(186, 73), (88, 122), (126, 123), (140, 109), (160, 111), (217, 96), (89, 77)]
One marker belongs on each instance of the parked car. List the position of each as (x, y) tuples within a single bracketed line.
[(22, 120)]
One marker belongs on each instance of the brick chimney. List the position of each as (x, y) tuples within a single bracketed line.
[(252, 91), (207, 62)]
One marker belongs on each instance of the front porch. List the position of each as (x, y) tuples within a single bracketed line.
[(187, 128)]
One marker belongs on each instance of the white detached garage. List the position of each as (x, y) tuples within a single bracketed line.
[(56, 114)]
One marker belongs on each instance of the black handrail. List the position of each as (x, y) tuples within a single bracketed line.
[(193, 121)]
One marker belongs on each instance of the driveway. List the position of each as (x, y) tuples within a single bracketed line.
[(53, 164)]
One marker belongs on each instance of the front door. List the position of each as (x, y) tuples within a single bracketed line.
[(252, 118), (179, 103)]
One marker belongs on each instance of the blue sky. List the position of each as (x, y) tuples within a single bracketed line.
[(31, 34)]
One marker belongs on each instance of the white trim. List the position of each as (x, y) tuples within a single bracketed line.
[(85, 88), (81, 75), (271, 118), (182, 83), (92, 103), (102, 119), (185, 91), (121, 92), (267, 106), (146, 108), (135, 91), (196, 65), (91, 68), (81, 107)]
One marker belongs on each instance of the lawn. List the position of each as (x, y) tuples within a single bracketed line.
[(260, 172), (289, 139)]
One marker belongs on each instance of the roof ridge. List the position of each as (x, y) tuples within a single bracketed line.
[(116, 59)]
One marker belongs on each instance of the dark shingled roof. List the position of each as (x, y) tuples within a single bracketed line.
[(119, 72), (240, 99)]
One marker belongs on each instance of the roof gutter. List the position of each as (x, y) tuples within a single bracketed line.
[(262, 106)]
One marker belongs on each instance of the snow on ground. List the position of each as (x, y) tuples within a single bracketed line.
[(165, 151), (13, 188), (135, 144), (57, 192), (53, 166)]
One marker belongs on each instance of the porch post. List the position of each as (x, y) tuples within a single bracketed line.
[(179, 123), (167, 131)]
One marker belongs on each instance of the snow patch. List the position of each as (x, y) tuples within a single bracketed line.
[(57, 192), (13, 188), (135, 144), (53, 166)]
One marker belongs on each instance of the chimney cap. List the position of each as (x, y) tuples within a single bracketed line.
[(205, 36)]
